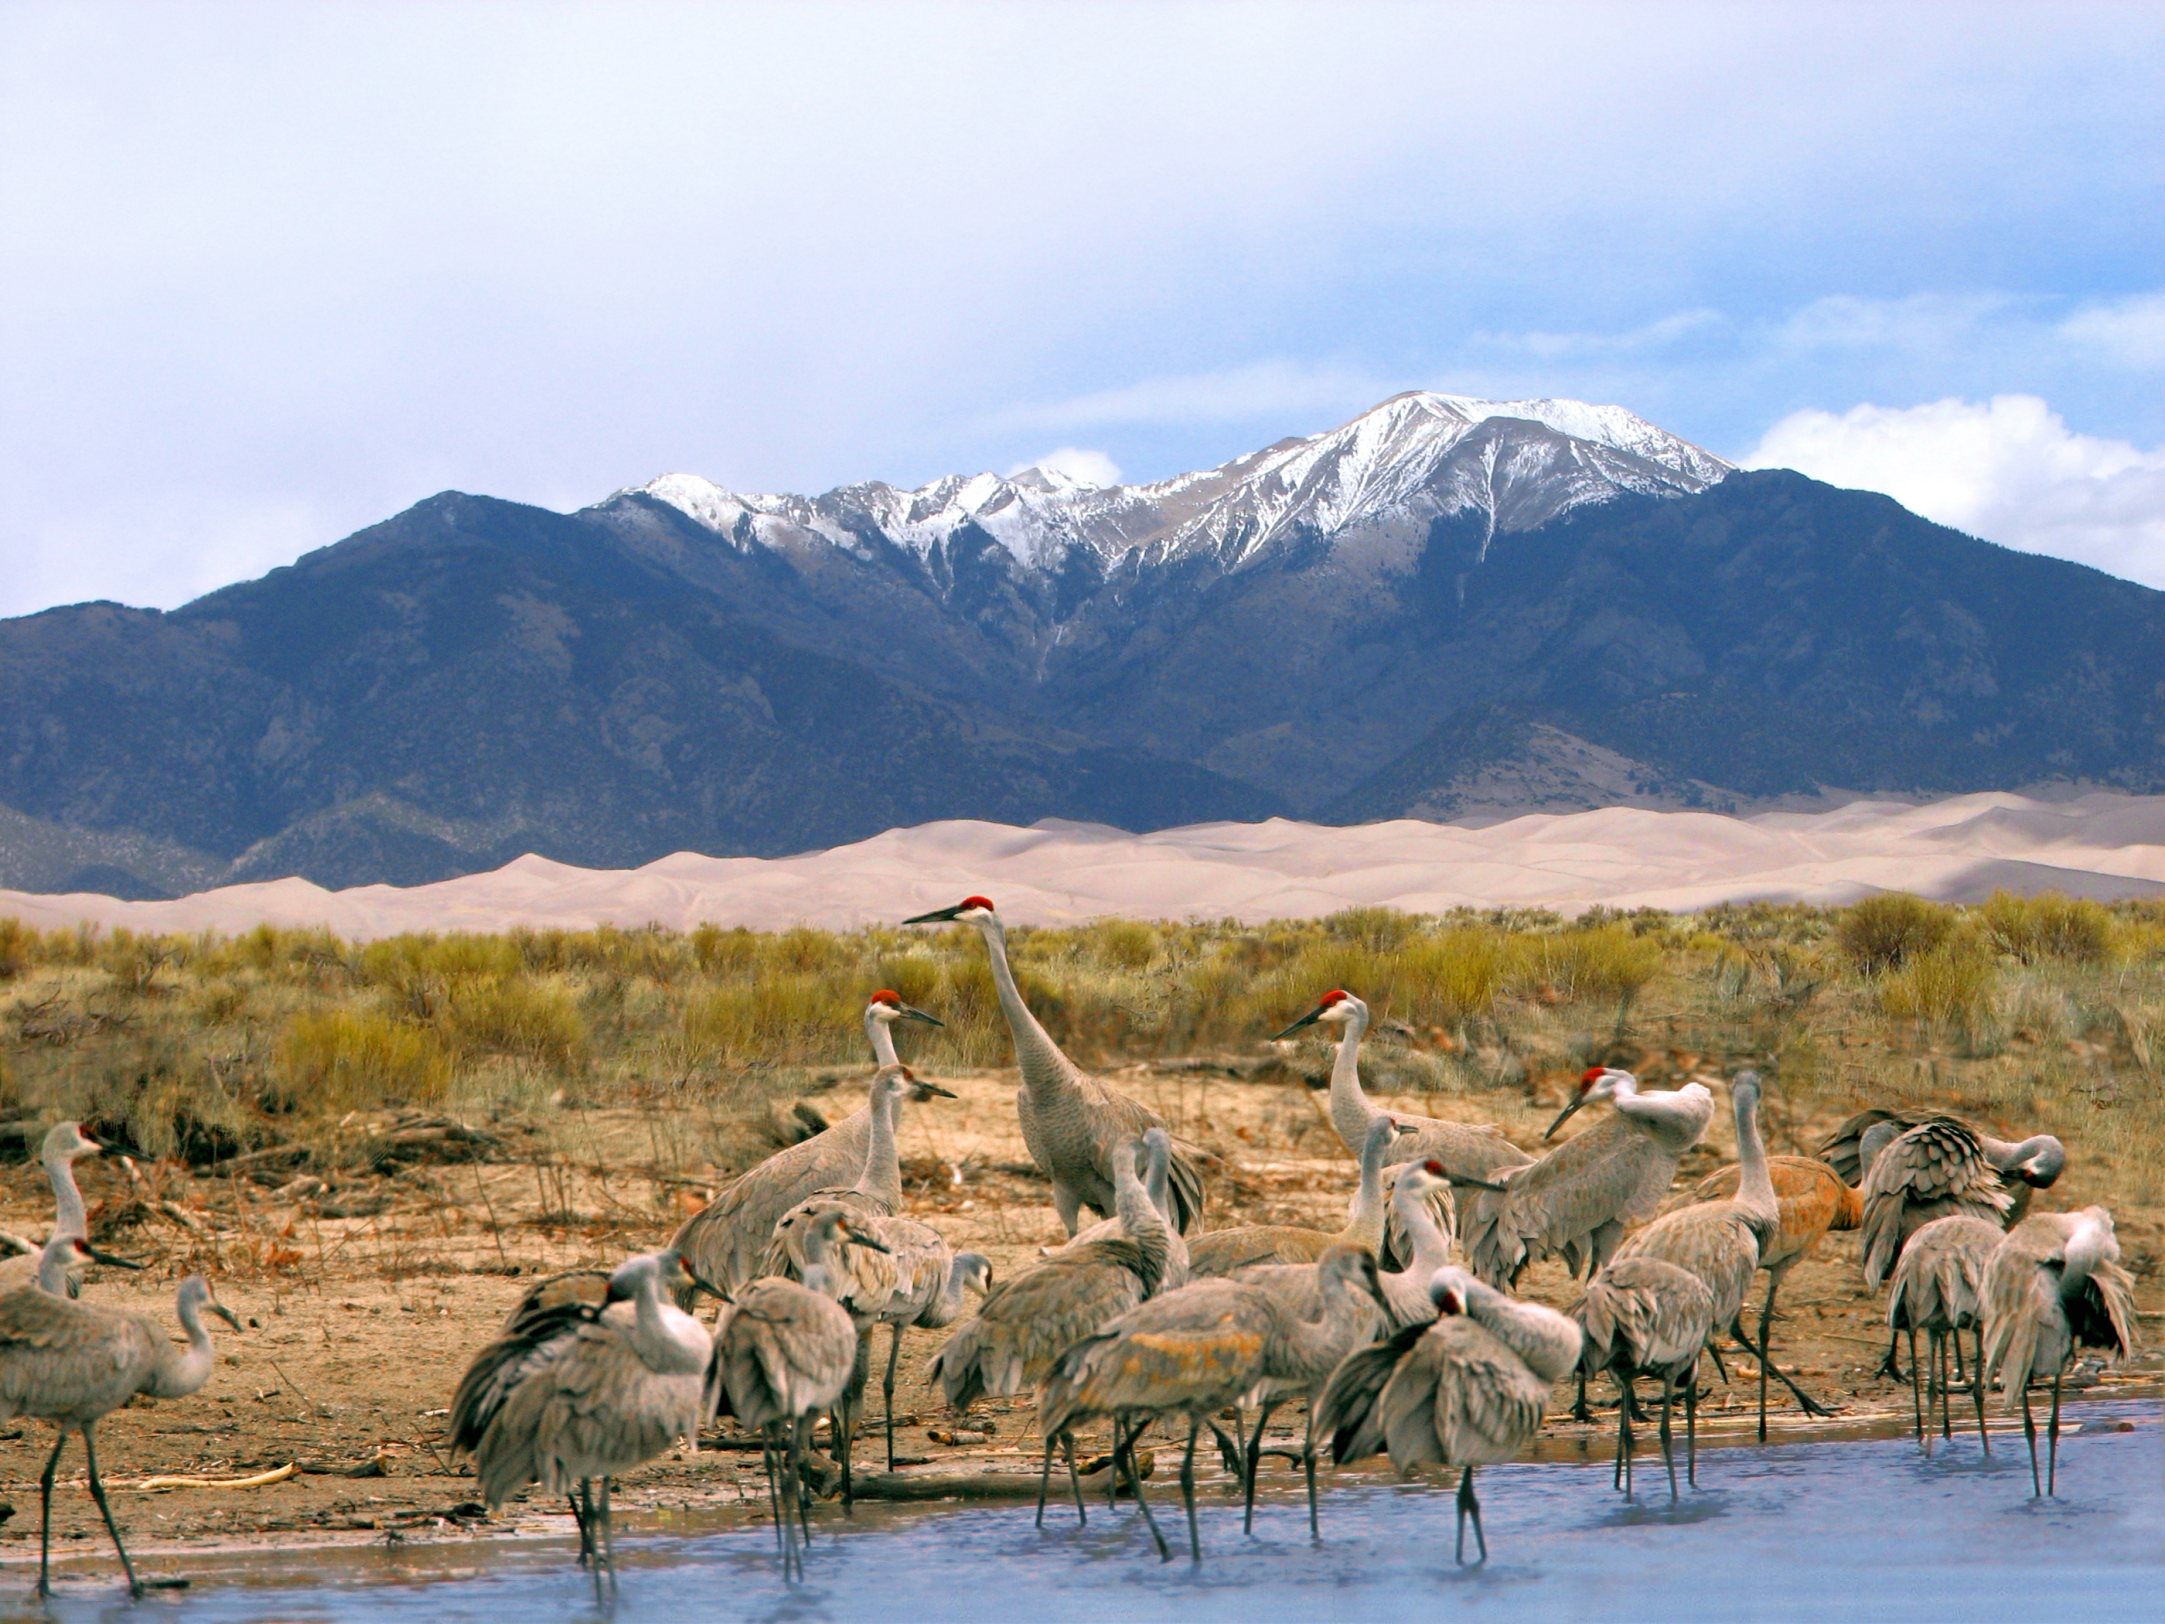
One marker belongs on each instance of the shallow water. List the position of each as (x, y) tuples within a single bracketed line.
[(1867, 1529)]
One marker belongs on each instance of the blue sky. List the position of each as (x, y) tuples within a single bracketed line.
[(272, 272)]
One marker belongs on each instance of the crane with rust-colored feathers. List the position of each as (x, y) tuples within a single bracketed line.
[(1812, 1199), (1074, 1125), (1577, 1199), (1467, 1390), (2054, 1286), (1938, 1287), (1476, 1154), (1194, 1351), (725, 1241), (617, 1390), (74, 1363), (1025, 1324), (1644, 1317)]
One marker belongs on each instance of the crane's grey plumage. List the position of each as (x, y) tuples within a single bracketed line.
[(875, 1186), (1223, 1251), (1474, 1152), (1414, 1200), (1157, 1162), (2054, 1285), (1937, 1169), (787, 1352), (1641, 1316), (616, 1389), (1578, 1198), (726, 1240), (1464, 1391), (74, 1363), (2024, 1165), (1193, 1351), (1025, 1324), (1938, 1287), (1073, 1124), (65, 1143)]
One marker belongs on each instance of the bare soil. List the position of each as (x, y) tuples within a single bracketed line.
[(365, 1296)]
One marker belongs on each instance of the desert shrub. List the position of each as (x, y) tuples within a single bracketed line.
[(718, 951), (18, 947), (1949, 983), (1379, 930), (2051, 926), (342, 1059), (1123, 944), (1451, 975), (513, 1015), (1600, 961), (1884, 932)]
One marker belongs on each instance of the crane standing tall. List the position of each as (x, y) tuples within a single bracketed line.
[(1475, 1152), (1643, 1317), (1812, 1199), (1466, 1390), (618, 1390), (2054, 1285), (1224, 1250), (65, 1144), (1073, 1124), (74, 1363)]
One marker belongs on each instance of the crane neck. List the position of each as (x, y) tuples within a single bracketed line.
[(948, 1308), (1755, 1184), (70, 1218), (2089, 1243), (1676, 1117), (1140, 1219), (883, 1039), (56, 1264), (1430, 1240), (1321, 1341), (180, 1372), (815, 1274), (881, 1179), (1045, 1069), (1364, 1226), (1351, 1109), (659, 1331)]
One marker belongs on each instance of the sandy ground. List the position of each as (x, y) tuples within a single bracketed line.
[(359, 1326), (1960, 850)]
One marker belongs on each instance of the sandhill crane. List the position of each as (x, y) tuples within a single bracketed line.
[(614, 1390), (1222, 1251), (65, 1143), (1474, 1151), (1938, 1287), (1812, 1199), (2025, 1166), (1464, 1391), (2054, 1285), (1643, 1317), (1025, 1324), (1350, 1303), (787, 1351), (1073, 1124), (1405, 1291), (1935, 1169), (1722, 1241), (1577, 1199), (1157, 1154), (1194, 1351), (726, 1241), (74, 1363)]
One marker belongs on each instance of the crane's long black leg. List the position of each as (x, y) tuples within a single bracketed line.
[(105, 1510), (774, 1481), (1622, 1477), (1668, 1449), (1135, 1486), (1469, 1506), (1187, 1489), (2029, 1435), (1074, 1479), (2051, 1449), (1580, 1410), (578, 1516), (1691, 1425), (1977, 1389), (1916, 1403), (1939, 1368), (887, 1386), (608, 1533), (1766, 1318), (1308, 1466), (1720, 1369), (1767, 1366), (1888, 1367), (1044, 1480), (45, 1513), (1253, 1463)]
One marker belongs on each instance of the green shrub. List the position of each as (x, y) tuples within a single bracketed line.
[(2051, 926), (512, 1015), (344, 1059), (1882, 933), (1953, 982)]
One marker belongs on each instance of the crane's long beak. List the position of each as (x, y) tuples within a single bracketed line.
[(225, 1314), (924, 1088), (1564, 1116), (1402, 1130), (110, 1260), (910, 1014), (701, 1283), (1308, 1019), (852, 1238), (938, 916), (1463, 1182)]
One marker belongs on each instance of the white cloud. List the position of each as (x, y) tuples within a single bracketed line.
[(2129, 331), (1083, 466), (1274, 389), (2008, 469)]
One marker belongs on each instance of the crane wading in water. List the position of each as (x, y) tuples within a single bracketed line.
[(1073, 1124), (74, 1363)]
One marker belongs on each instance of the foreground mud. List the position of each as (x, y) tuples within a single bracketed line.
[(365, 1296)]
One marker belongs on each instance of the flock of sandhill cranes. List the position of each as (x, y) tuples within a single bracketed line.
[(1143, 1317)]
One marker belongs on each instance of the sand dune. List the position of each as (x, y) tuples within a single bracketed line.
[(2094, 845)]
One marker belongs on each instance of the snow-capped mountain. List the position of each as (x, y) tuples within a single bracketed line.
[(1416, 457)]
